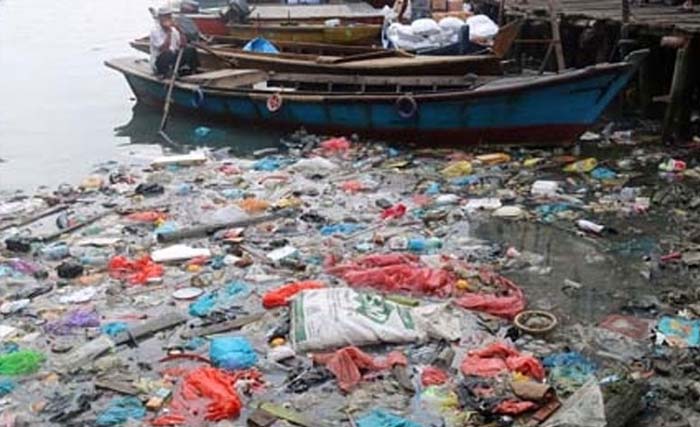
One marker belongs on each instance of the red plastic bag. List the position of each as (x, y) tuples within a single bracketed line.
[(348, 363), (506, 304), (137, 271), (514, 407), (396, 211), (207, 393), (335, 145), (280, 297), (352, 186), (498, 358), (433, 376), (394, 272), (147, 216)]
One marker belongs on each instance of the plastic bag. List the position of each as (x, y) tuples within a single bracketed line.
[(20, 362), (506, 304), (260, 45), (209, 387), (347, 364), (147, 216), (379, 418), (433, 376), (425, 27), (280, 297), (585, 408), (335, 145), (394, 272), (253, 205), (396, 211), (74, 319), (120, 410), (481, 27), (137, 271), (498, 358), (457, 169), (232, 353)]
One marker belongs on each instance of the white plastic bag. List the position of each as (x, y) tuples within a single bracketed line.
[(481, 27), (425, 27), (337, 317), (451, 24)]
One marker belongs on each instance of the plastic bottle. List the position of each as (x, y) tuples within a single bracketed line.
[(55, 252), (590, 226), (420, 244)]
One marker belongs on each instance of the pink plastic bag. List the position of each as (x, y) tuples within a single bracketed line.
[(348, 363), (396, 211), (508, 303), (335, 145), (433, 376), (498, 358)]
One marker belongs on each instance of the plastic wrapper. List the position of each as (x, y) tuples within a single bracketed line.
[(280, 297), (134, 271), (498, 358), (348, 364), (232, 353)]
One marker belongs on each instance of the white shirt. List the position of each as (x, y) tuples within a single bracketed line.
[(158, 36)]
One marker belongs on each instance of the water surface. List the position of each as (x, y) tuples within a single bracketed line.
[(61, 105)]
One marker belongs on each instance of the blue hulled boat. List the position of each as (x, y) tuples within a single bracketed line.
[(540, 110)]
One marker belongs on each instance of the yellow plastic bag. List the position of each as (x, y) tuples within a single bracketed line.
[(585, 165), (460, 168)]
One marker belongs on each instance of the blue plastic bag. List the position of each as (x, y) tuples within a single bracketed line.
[(603, 173), (380, 418), (232, 353), (114, 328), (120, 410), (340, 228), (260, 45)]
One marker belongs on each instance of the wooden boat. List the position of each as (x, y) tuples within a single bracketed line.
[(212, 23), (381, 62), (423, 109), (358, 34)]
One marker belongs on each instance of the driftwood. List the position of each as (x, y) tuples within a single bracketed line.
[(205, 230), (222, 327), (88, 352)]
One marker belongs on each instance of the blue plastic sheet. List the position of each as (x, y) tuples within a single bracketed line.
[(232, 353), (380, 418), (549, 211), (114, 328), (680, 332), (222, 298), (267, 164), (341, 228), (260, 45), (120, 410), (568, 371)]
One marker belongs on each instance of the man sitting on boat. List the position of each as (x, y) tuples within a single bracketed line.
[(166, 42)]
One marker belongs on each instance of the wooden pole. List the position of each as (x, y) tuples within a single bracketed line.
[(501, 13), (674, 111), (168, 98), (556, 35)]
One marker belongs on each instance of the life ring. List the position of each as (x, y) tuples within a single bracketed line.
[(198, 98), (406, 106), (274, 103)]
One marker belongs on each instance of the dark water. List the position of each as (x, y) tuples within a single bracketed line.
[(61, 105)]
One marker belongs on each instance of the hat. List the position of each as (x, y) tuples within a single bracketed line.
[(164, 11)]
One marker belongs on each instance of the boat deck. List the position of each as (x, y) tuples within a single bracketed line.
[(650, 18)]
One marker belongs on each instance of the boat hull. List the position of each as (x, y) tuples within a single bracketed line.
[(548, 113)]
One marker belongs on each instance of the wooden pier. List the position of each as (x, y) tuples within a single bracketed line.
[(594, 31)]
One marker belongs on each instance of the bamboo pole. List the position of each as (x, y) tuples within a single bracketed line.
[(556, 35)]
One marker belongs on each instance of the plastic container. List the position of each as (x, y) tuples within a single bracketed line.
[(590, 226), (672, 165)]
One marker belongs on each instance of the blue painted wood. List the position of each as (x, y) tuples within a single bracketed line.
[(527, 113)]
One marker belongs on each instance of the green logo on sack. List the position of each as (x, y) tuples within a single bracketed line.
[(374, 307)]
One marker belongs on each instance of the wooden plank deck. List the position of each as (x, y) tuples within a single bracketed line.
[(652, 18)]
